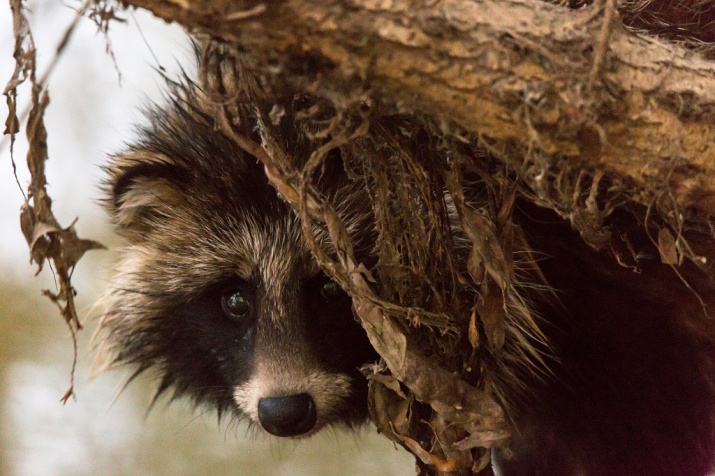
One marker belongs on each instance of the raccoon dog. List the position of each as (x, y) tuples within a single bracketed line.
[(218, 293), (217, 289)]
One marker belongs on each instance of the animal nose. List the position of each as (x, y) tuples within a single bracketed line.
[(291, 415)]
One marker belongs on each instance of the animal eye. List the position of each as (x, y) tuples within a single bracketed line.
[(331, 291), (236, 305)]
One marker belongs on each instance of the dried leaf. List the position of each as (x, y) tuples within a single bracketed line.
[(384, 334), (447, 434), (362, 269), (491, 307), (44, 240), (37, 236), (484, 239), (12, 123), (27, 225), (667, 247), (389, 382), (475, 266), (473, 331), (446, 465), (388, 406), (73, 247)]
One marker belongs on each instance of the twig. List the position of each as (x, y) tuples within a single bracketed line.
[(598, 59)]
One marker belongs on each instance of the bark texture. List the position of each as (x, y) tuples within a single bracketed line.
[(540, 84)]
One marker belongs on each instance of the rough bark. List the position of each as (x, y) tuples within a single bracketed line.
[(539, 83)]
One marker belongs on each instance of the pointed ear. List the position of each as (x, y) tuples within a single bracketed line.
[(143, 189)]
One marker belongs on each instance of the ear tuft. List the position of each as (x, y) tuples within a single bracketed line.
[(142, 189)]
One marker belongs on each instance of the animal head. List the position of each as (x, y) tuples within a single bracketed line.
[(217, 291)]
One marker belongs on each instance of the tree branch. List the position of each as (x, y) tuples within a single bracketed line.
[(514, 72)]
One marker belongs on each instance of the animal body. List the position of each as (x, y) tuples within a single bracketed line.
[(218, 293)]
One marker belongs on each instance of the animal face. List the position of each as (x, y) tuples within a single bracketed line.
[(217, 291)]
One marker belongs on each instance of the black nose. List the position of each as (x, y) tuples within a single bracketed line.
[(291, 415)]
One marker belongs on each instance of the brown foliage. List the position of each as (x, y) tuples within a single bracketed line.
[(46, 238)]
